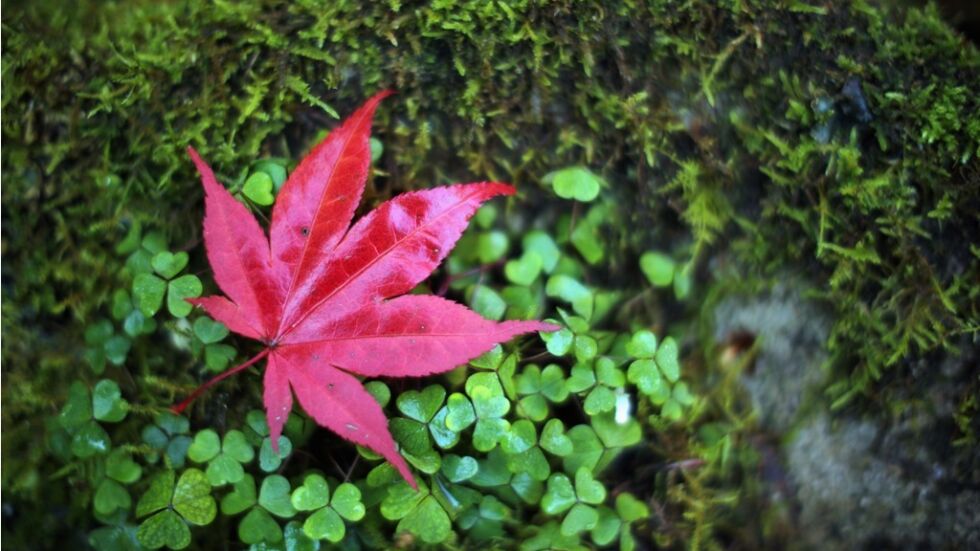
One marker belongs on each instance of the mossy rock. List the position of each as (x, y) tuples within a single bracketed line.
[(841, 140)]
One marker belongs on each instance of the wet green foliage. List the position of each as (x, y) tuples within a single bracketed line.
[(647, 139)]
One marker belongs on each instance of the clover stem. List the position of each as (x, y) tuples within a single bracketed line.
[(200, 390)]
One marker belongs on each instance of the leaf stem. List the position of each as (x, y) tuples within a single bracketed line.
[(200, 390)]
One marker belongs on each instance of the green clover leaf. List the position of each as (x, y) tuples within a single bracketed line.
[(224, 469), (241, 497), (401, 499), (442, 435), (682, 395), (218, 356), (295, 539), (608, 374), (107, 402), (531, 461), (325, 524), (527, 488), (587, 449), (258, 526), (658, 267), (540, 243), (184, 287), (525, 270), (269, 460), (586, 237), (536, 386), (192, 498), (559, 342), (164, 529), (168, 434), (313, 494), (274, 496), (493, 470), (643, 344), (96, 335), (571, 291), (491, 246), (205, 447), (168, 264), (258, 188), (554, 440), (412, 436), (601, 399), (346, 501), (459, 469), (607, 527), (77, 410), (575, 182), (615, 434), (559, 496), (137, 324), (631, 509), (110, 496), (209, 331), (428, 520), (116, 349), (581, 378), (667, 360), (148, 292), (486, 302), (588, 489), (520, 438), (170, 505), (421, 406), (157, 495), (276, 171), (490, 359), (380, 391), (119, 466), (490, 405), (645, 375), (90, 439), (580, 518)]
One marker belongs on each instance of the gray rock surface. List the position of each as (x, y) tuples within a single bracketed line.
[(888, 479), (787, 369)]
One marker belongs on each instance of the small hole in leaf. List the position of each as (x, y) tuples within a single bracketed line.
[(305, 231)]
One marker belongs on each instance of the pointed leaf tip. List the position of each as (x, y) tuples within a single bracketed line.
[(317, 202), (383, 94), (546, 327), (501, 188)]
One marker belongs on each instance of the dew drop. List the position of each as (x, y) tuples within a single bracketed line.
[(351, 426), (329, 386)]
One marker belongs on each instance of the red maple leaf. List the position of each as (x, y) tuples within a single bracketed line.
[(329, 301)]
